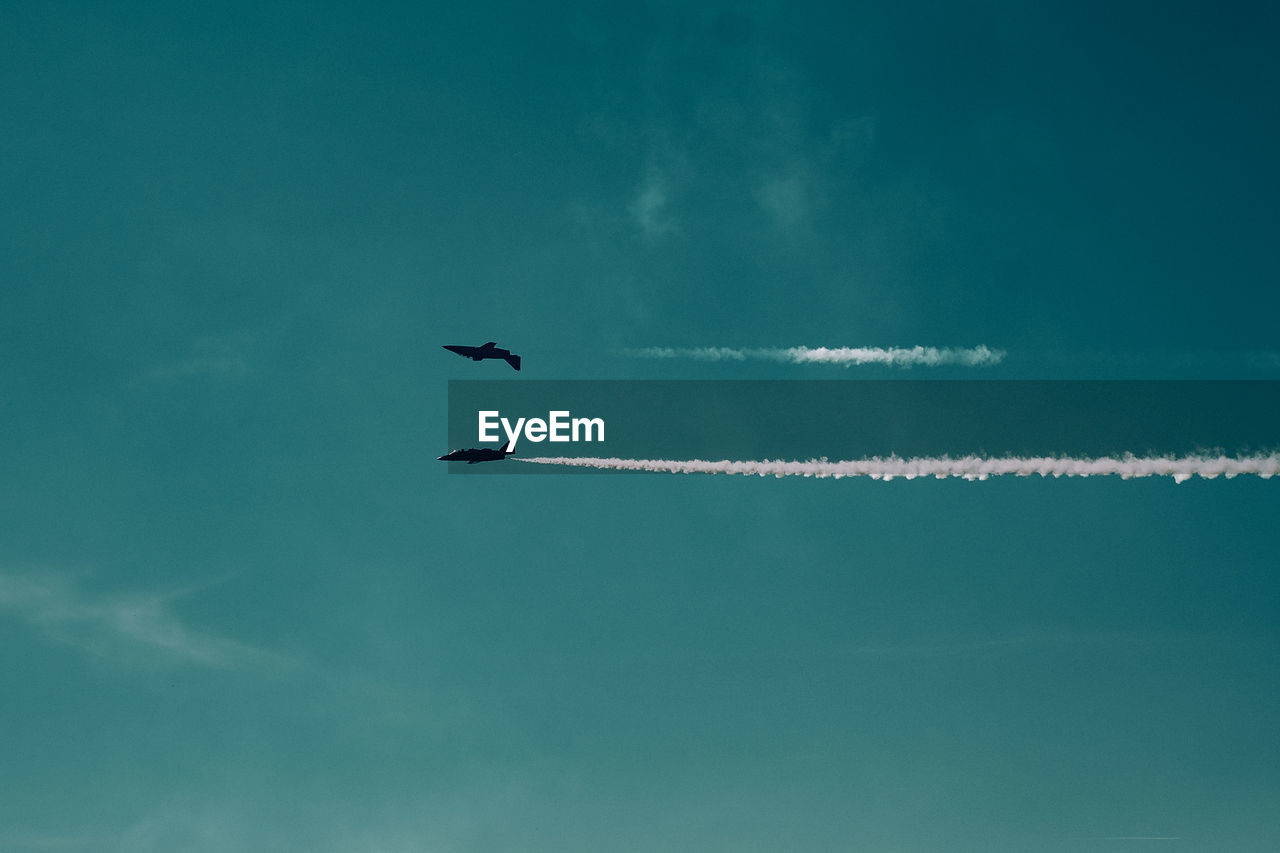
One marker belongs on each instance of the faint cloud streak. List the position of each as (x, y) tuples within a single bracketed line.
[(117, 626), (650, 207), (215, 356)]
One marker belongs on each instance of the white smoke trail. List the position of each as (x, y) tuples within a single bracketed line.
[(1180, 468), (979, 356)]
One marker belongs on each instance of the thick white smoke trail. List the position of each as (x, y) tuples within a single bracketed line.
[(979, 356), (1180, 468)]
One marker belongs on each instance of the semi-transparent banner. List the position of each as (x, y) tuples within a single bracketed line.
[(851, 420)]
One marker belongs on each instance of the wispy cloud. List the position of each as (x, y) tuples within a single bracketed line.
[(650, 207), (1180, 468), (118, 626), (800, 173), (787, 199), (212, 356), (200, 366), (917, 356), (36, 841)]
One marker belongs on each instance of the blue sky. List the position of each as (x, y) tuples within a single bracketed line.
[(242, 607)]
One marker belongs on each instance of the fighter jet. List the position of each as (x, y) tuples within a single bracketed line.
[(473, 455), (489, 350)]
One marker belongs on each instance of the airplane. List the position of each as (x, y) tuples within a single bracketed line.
[(489, 350), (472, 455)]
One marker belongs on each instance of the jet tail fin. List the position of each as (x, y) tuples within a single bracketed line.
[(513, 360), (506, 448)]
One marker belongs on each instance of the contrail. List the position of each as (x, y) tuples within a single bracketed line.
[(1128, 466), (979, 356)]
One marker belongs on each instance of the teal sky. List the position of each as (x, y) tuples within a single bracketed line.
[(243, 608)]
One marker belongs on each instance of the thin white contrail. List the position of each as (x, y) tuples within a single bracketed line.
[(1180, 468), (979, 356)]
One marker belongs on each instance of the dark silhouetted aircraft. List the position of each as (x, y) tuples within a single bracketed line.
[(489, 350), (476, 454)]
